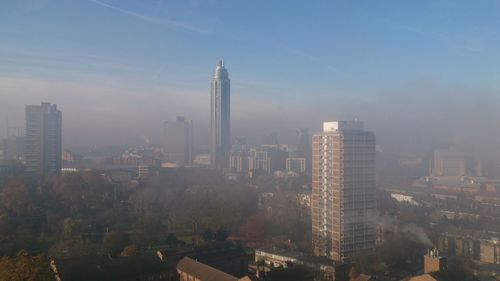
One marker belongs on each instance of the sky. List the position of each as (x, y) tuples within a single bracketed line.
[(416, 71)]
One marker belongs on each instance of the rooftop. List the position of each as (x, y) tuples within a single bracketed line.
[(203, 271)]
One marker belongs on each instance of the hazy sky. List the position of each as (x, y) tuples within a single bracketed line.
[(118, 69)]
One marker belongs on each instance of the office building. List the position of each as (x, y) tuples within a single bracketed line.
[(178, 141), (220, 131), (43, 140), (343, 190)]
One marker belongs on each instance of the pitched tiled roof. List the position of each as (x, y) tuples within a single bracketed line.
[(424, 277), (203, 271)]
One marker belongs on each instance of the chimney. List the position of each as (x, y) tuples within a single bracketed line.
[(433, 261)]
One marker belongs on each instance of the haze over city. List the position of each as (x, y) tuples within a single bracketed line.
[(206, 140), (134, 64)]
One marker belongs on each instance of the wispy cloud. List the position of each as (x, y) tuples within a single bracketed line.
[(453, 43), (153, 19)]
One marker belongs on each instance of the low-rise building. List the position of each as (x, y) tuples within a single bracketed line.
[(193, 270), (274, 257)]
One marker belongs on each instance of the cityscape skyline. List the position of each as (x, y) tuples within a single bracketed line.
[(103, 79), (352, 141)]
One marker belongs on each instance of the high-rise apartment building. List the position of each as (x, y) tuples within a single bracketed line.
[(343, 190), (296, 165), (259, 160), (43, 140), (304, 147), (220, 131), (178, 141)]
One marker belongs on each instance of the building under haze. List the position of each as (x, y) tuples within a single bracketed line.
[(13, 148), (178, 141), (343, 190), (220, 131), (304, 147), (449, 162), (43, 140)]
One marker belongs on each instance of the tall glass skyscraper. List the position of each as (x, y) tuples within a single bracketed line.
[(220, 132)]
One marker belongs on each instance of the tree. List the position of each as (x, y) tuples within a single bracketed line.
[(208, 235), (130, 250), (71, 189), (71, 248), (114, 242), (71, 227), (255, 227), (221, 234), (173, 240), (17, 197), (23, 267)]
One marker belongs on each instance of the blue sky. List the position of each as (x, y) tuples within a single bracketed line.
[(103, 55)]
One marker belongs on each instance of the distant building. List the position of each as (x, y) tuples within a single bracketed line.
[(434, 262), (343, 190), (13, 148), (482, 249), (449, 162), (143, 171), (296, 165), (489, 250), (202, 160), (238, 161), (220, 131), (258, 160), (178, 141), (434, 265), (277, 155), (66, 171), (304, 147), (43, 140), (193, 270), (275, 257), (152, 266)]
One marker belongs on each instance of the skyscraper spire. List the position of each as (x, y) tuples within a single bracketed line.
[(220, 131)]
